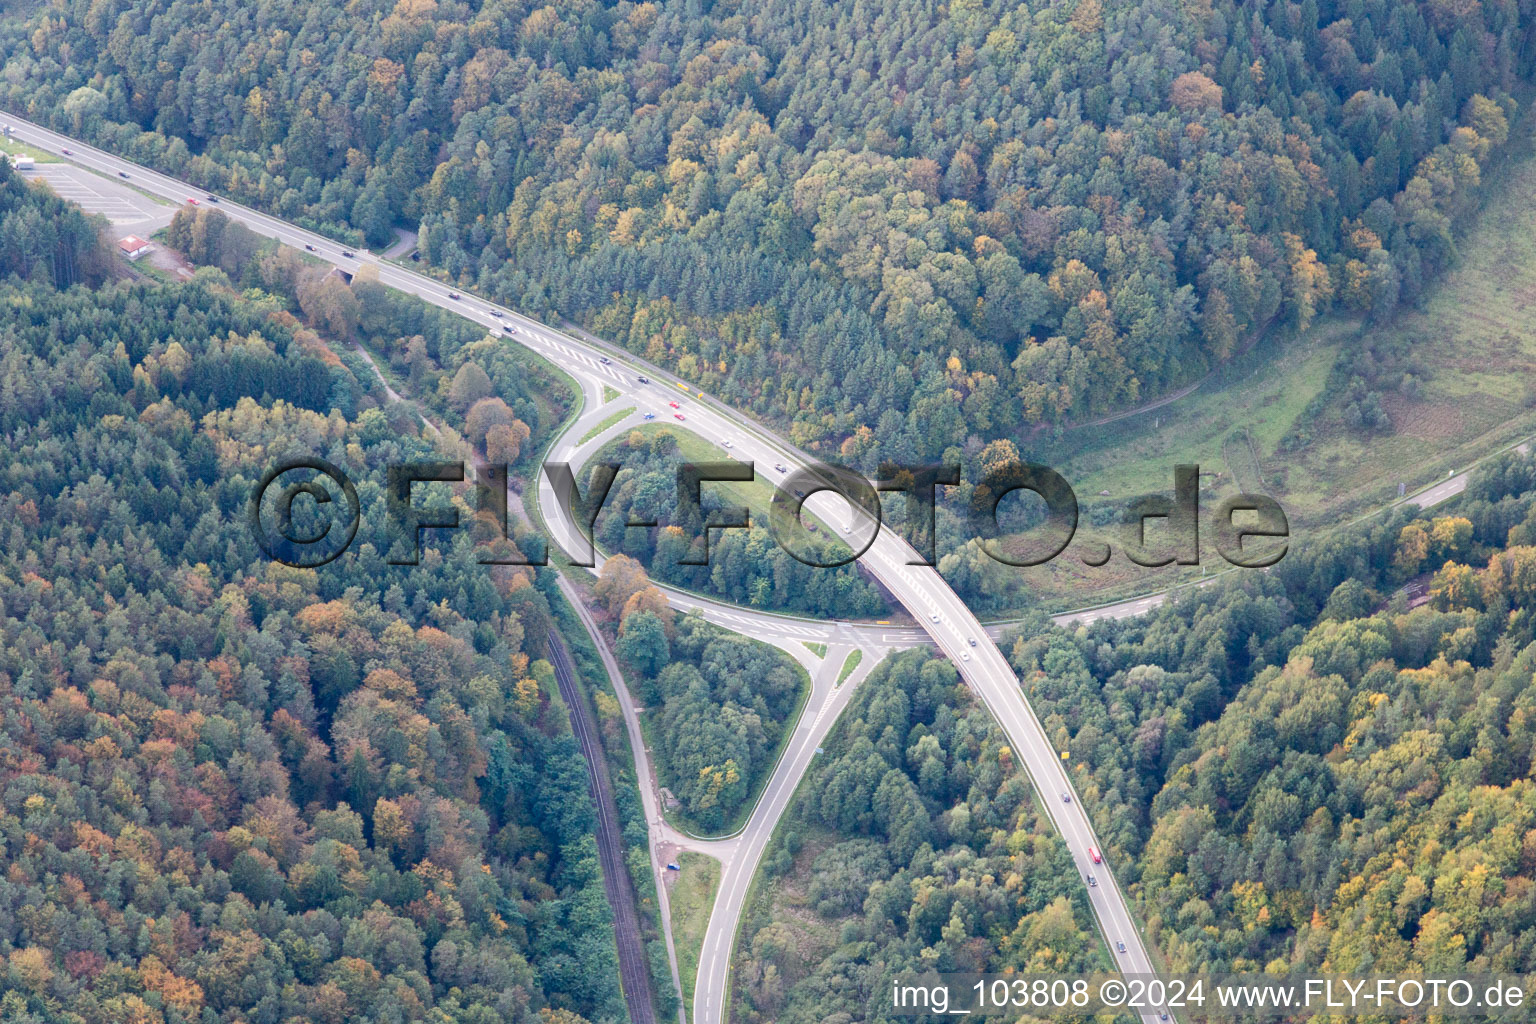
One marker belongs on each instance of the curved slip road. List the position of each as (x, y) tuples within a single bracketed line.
[(946, 620)]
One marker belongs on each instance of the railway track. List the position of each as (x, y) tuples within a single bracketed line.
[(634, 965)]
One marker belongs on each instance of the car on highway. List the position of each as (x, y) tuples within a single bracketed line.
[(309, 247), (934, 617), (650, 415), (509, 328), (211, 198), (191, 202), (1120, 946), (122, 174), (1093, 882), (674, 405), (1066, 798), (454, 295), (605, 360), (66, 152), (965, 655), (643, 380), (1093, 852), (781, 467), (679, 416), (971, 640), (728, 443), (348, 254), (847, 528), (494, 313)]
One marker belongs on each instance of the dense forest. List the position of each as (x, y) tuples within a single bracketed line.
[(1300, 770), (720, 703), (891, 228), (235, 791), (913, 845), (747, 566)]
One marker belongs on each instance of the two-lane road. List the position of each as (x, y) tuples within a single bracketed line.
[(919, 588)]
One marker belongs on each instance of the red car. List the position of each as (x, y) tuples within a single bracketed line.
[(674, 405), (679, 415), (191, 202)]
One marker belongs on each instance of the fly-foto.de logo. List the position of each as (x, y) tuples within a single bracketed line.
[(305, 512)]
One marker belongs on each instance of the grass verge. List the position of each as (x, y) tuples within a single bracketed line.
[(849, 664), (608, 423), (692, 898)]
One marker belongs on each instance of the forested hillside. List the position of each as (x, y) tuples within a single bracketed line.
[(233, 791), (914, 845), (1301, 771), (894, 227)]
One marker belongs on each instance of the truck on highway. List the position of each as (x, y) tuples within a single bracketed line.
[(1093, 851)]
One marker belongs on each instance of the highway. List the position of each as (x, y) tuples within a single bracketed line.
[(919, 588), (944, 619)]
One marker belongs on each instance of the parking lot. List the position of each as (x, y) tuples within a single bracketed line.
[(120, 204)]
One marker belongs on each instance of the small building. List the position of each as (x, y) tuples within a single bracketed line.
[(133, 246)]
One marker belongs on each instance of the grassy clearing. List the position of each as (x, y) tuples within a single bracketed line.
[(1472, 341), (786, 902), (609, 393), (849, 664), (692, 897), (15, 147), (617, 417), (820, 650), (757, 495)]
